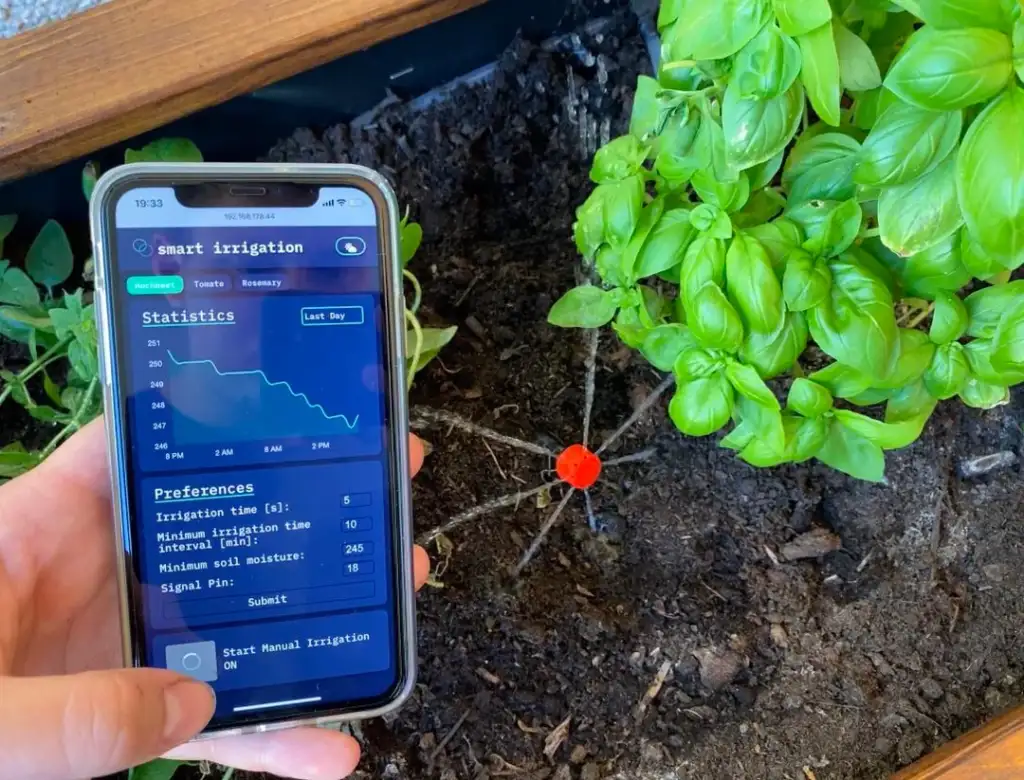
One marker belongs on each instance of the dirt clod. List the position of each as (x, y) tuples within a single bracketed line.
[(812, 544), (718, 668)]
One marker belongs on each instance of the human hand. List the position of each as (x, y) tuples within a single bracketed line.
[(66, 710)]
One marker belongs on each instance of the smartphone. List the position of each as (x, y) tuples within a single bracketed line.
[(251, 328)]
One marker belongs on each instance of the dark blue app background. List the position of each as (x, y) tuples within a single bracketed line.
[(255, 385)]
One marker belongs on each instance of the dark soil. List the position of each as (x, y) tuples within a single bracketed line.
[(848, 665)]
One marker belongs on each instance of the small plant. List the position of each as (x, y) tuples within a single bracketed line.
[(862, 226)]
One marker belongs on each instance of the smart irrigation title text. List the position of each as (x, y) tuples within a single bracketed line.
[(250, 248)]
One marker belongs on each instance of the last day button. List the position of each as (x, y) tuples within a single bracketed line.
[(313, 316)]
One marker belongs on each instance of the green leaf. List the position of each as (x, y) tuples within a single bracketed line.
[(1018, 47), (704, 263), (979, 358), (858, 70), (888, 436), (916, 216), (984, 395), (764, 205), (666, 244), (90, 175), (955, 14), (618, 159), (909, 402), (799, 17), (434, 340), (165, 150), (767, 66), (831, 227), (778, 238), (584, 307), (650, 215), (775, 353), (807, 281), (764, 431), (976, 260), (410, 237), (668, 12), (856, 325), (762, 175), (1007, 354), (695, 363), (986, 307), (7, 223), (943, 70), (714, 31), (712, 221), (664, 345), (49, 260), (749, 384), (990, 178), (948, 372), (808, 398), (643, 313), (906, 143), (157, 769), (821, 168), (726, 195), (622, 206), (752, 285), (820, 72), (608, 264), (935, 270), (703, 406), (849, 452), (756, 130), (714, 321), (949, 320), (808, 438), (17, 288), (684, 146), (915, 354)]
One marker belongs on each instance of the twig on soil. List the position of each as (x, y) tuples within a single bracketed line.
[(591, 519), (636, 457), (423, 416), (641, 410), (511, 499), (544, 531), (448, 737), (713, 591), (468, 290), (589, 382), (554, 740), (652, 692), (497, 465)]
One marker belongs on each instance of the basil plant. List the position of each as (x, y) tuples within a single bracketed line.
[(846, 172)]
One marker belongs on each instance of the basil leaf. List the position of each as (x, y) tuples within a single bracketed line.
[(830, 226), (666, 244), (668, 12), (764, 205), (703, 406), (767, 433), (410, 237), (820, 72), (1008, 344), (755, 129), (778, 238), (943, 70), (635, 321), (18, 289), (726, 195), (618, 160), (807, 281), (954, 14), (622, 206), (767, 66), (906, 143), (949, 320), (49, 260), (752, 285), (704, 263), (650, 215), (849, 452), (821, 168), (608, 264), (979, 358), (695, 363), (649, 115), (990, 178), (948, 372), (711, 221), (714, 321), (808, 439), (799, 17), (909, 402), (714, 31), (935, 270), (589, 227), (665, 344), (682, 148), (888, 436), (749, 384), (584, 307), (984, 395), (1018, 47), (986, 307), (918, 215), (915, 355), (976, 260), (856, 325), (165, 150), (762, 175), (775, 353), (858, 70), (8, 221), (808, 398)]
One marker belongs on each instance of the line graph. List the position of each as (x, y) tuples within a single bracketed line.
[(352, 424)]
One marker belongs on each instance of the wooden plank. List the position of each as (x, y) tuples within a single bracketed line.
[(993, 752), (69, 88)]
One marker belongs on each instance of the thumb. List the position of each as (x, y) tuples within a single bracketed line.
[(96, 723)]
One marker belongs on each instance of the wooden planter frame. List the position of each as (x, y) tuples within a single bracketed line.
[(120, 69)]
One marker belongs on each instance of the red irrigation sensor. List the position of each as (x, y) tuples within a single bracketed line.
[(578, 466)]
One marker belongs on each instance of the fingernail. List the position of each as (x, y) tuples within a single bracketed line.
[(188, 706)]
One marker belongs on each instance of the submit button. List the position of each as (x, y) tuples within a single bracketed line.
[(333, 315)]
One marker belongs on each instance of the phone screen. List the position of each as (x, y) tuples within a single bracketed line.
[(251, 357)]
